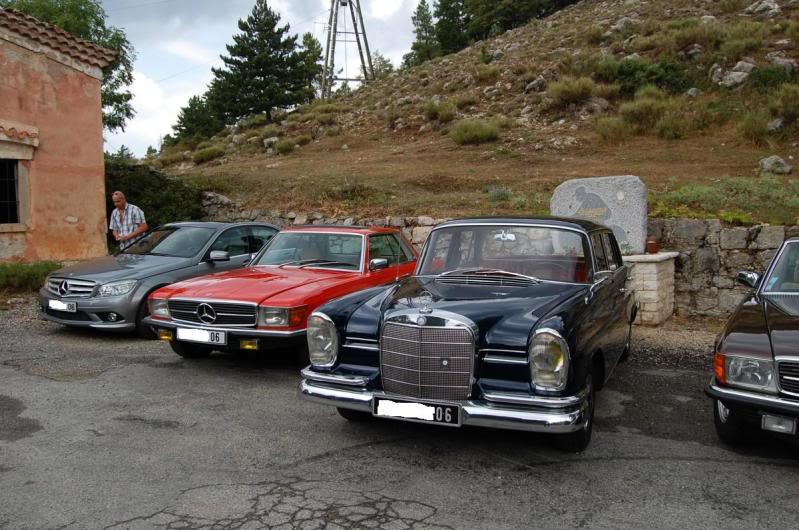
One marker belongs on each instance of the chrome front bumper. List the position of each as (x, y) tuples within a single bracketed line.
[(765, 402), (91, 308), (233, 332), (498, 411)]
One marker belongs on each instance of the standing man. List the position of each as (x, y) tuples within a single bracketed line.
[(127, 221)]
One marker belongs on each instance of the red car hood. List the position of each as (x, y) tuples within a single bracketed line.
[(257, 284)]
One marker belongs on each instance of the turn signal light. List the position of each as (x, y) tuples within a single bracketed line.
[(248, 344), (718, 368), (298, 316), (164, 334)]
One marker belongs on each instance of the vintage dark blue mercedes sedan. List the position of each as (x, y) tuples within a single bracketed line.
[(755, 385), (506, 323)]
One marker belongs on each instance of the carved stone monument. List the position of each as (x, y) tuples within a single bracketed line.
[(616, 202)]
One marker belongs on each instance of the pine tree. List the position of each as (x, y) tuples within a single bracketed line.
[(488, 17), (263, 71), (312, 66), (381, 65), (425, 47), (452, 25), (197, 119)]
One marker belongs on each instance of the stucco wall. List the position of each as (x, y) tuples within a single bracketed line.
[(66, 215)]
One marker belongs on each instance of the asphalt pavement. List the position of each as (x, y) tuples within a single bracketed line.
[(105, 431)]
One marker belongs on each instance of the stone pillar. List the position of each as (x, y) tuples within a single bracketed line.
[(653, 283)]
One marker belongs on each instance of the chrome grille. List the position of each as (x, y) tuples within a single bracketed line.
[(70, 288), (427, 362), (497, 280), (227, 313), (789, 376)]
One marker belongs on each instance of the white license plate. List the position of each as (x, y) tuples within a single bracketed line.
[(58, 305), (420, 412), (202, 335)]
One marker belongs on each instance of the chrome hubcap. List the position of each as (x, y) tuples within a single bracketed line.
[(724, 412)]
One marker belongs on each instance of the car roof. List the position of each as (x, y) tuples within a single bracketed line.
[(341, 229), (560, 222), (216, 225)]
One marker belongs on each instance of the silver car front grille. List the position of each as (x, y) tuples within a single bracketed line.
[(427, 362), (70, 288), (231, 314), (789, 376)]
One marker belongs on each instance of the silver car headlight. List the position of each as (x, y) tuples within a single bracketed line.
[(159, 307), (549, 360), (750, 372), (273, 316), (322, 341), (117, 288)]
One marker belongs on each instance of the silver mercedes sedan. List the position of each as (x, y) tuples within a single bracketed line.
[(111, 292)]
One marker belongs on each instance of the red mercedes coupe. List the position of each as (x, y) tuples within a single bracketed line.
[(267, 304)]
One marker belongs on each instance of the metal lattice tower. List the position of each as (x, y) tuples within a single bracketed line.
[(334, 35)]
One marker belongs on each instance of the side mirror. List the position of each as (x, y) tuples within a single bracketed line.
[(748, 278), (218, 255), (378, 264)]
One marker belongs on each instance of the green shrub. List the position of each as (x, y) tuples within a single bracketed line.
[(25, 277), (499, 194), (754, 127), (632, 74), (329, 108), (171, 159), (610, 92), (571, 91), (767, 78), (204, 145), (285, 147), (163, 199), (303, 139), (737, 48), (392, 115), (294, 117), (594, 35), (207, 154), (503, 122), (643, 113), (612, 130), (208, 183), (252, 122), (732, 6), (485, 73), (520, 202), (474, 131), (271, 132), (649, 92), (673, 125), (443, 111), (325, 119), (466, 101), (786, 102)]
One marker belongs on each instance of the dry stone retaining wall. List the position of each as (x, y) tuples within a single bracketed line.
[(710, 254)]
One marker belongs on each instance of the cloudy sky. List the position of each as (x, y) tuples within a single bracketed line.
[(178, 41)]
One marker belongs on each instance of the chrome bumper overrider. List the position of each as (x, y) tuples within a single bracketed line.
[(752, 399), (547, 416), (236, 332)]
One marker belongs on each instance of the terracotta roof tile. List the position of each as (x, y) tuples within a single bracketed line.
[(55, 38)]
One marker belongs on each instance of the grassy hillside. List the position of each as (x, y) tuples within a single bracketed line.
[(688, 95)]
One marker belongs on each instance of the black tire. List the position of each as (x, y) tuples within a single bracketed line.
[(730, 426), (190, 351), (576, 442), (625, 356), (143, 330), (354, 415)]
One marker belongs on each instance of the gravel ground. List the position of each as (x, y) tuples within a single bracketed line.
[(102, 431)]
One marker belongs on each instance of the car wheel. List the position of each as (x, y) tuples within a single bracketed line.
[(628, 346), (143, 330), (576, 442), (354, 415), (190, 351), (730, 426)]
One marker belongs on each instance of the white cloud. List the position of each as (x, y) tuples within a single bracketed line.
[(156, 111), (385, 9), (190, 51)]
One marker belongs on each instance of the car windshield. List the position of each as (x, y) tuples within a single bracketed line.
[(181, 242), (314, 249), (539, 252), (785, 275)]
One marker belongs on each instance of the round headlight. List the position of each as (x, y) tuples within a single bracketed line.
[(549, 360), (322, 341)]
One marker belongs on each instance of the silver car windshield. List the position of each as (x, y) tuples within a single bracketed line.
[(180, 242), (542, 253), (314, 249), (784, 276)]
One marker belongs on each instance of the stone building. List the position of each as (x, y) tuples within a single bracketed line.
[(52, 190)]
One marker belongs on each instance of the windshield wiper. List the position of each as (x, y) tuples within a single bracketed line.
[(325, 262), (302, 262)]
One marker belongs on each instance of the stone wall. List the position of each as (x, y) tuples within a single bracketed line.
[(710, 254)]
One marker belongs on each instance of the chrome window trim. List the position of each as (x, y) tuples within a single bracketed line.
[(363, 250), (584, 233), (771, 267)]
